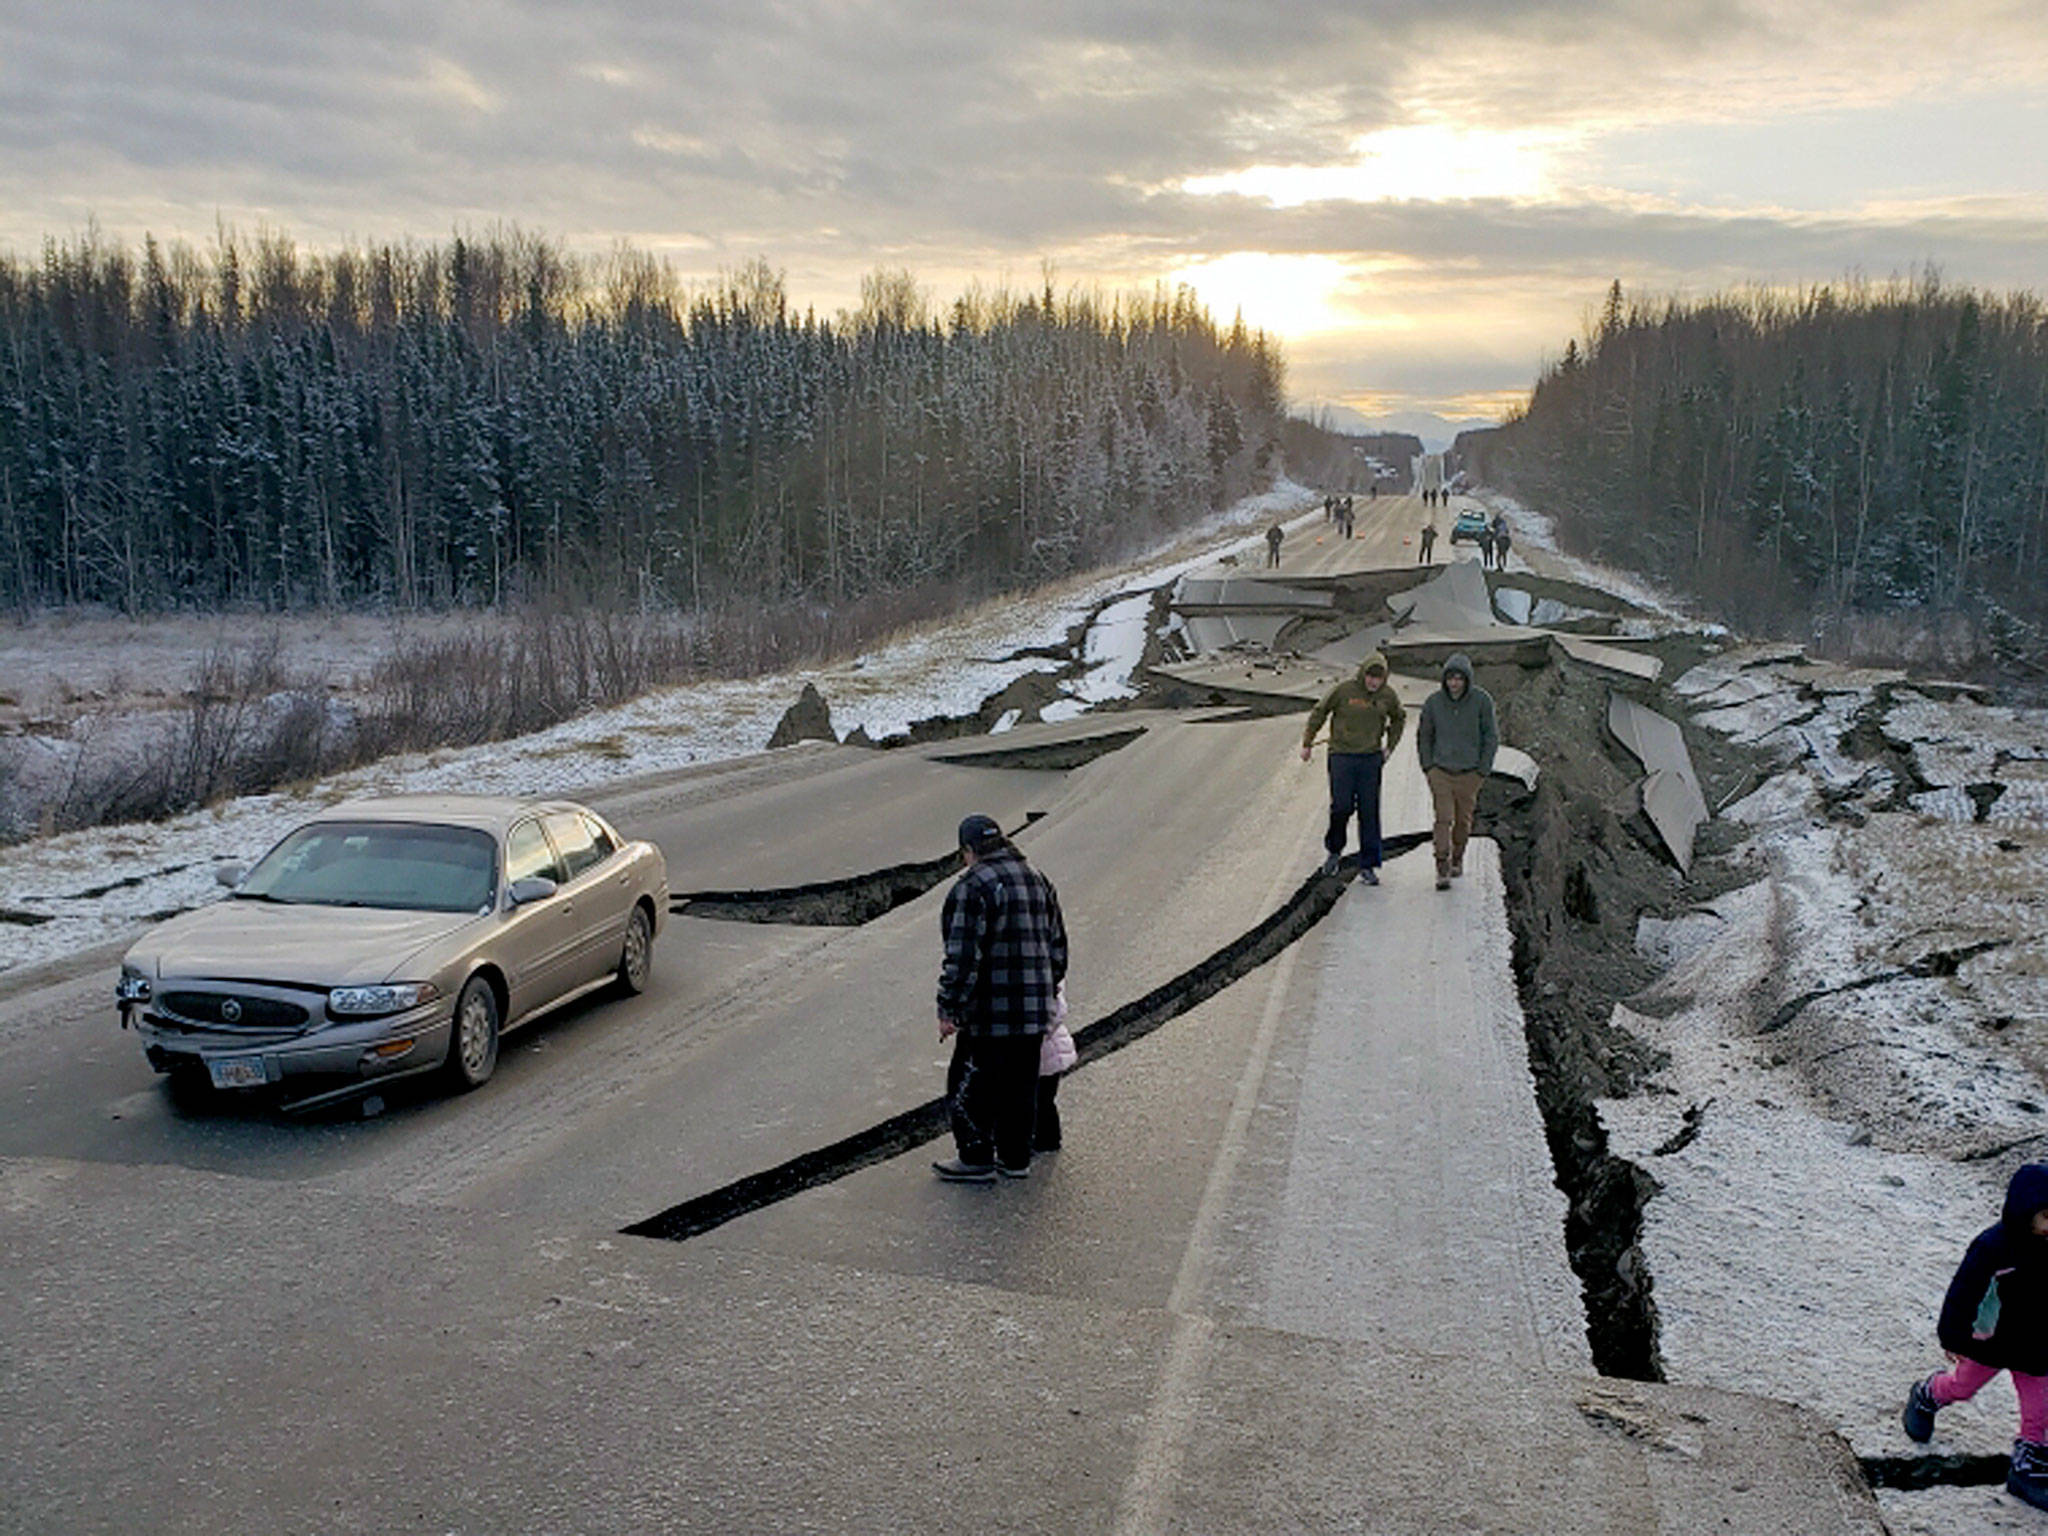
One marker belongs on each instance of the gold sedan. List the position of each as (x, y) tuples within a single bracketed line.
[(387, 938)]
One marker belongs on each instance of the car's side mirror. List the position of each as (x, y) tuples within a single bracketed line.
[(532, 888), (229, 875)]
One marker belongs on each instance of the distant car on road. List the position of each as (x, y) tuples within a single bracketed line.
[(392, 937), (1468, 526)]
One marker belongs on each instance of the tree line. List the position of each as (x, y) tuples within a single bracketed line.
[(1805, 457), (491, 421)]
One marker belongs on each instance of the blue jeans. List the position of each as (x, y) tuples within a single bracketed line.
[(1355, 788)]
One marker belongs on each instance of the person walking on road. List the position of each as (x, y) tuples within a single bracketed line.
[(1486, 549), (1428, 555), (1005, 957), (1995, 1318), (1274, 535), (1500, 541), (1455, 739), (1366, 719)]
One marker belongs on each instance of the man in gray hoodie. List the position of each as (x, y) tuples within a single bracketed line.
[(1456, 738)]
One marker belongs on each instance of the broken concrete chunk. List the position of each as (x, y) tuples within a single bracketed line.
[(1456, 601), (1672, 797), (808, 719), (1514, 764), (1240, 592)]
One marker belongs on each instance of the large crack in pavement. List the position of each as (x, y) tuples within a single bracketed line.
[(1310, 902), (1954, 1469), (848, 902)]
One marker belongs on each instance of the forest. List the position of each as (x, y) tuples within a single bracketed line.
[(493, 422), (1863, 465)]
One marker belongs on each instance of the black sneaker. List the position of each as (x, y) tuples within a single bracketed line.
[(1369, 876), (1919, 1413), (954, 1171), (2028, 1479), (1014, 1173), (1330, 864)]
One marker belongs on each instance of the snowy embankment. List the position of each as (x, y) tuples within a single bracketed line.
[(1854, 1045), (68, 893)]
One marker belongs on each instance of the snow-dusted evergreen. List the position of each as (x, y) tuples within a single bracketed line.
[(1822, 457), (488, 421)]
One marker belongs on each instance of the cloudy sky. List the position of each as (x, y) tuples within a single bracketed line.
[(1423, 199)]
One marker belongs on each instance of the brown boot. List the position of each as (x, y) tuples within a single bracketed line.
[(1443, 877)]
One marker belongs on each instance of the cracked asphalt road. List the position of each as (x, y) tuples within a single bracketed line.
[(1298, 1263)]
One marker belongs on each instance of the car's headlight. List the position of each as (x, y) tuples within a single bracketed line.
[(364, 1002), (133, 987)]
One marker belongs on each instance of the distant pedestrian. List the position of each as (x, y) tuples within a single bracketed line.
[(1005, 957), (1372, 492), (1428, 542), (1274, 535), (1500, 547), (1366, 718), (1455, 738), (1349, 517), (1995, 1318)]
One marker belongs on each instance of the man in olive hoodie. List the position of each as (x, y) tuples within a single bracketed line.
[(1366, 718), (1456, 739)]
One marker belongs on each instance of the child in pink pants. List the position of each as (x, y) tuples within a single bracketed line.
[(1995, 1318)]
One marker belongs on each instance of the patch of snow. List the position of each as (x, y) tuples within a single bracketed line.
[(1005, 720), (1947, 803), (1670, 940), (1782, 798), (1113, 650)]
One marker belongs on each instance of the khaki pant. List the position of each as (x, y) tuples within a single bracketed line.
[(1454, 795)]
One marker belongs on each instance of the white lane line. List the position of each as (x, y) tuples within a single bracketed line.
[(1148, 1496)]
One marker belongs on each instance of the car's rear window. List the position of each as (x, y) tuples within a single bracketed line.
[(408, 866)]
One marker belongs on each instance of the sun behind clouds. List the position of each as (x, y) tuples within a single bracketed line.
[(1284, 295)]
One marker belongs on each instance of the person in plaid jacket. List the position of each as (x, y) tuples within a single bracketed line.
[(1006, 954)]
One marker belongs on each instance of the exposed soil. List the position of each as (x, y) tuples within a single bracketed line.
[(1581, 865)]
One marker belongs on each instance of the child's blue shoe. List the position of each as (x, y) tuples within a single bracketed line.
[(2028, 1478), (1919, 1415)]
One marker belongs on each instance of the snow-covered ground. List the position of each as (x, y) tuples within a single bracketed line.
[(66, 893), (1858, 1039)]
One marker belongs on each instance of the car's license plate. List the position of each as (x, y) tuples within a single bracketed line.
[(238, 1072)]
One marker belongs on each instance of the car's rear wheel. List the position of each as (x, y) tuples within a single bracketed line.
[(636, 959), (473, 1036)]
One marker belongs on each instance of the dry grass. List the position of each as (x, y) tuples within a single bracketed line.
[(249, 722)]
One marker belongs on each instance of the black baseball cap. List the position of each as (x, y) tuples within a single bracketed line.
[(981, 833)]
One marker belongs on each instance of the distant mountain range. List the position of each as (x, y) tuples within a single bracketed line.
[(1435, 431)]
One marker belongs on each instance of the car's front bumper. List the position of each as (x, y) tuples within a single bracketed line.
[(346, 1054)]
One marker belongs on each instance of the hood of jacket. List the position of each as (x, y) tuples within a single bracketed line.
[(2026, 1193), (1374, 662), (1461, 664)]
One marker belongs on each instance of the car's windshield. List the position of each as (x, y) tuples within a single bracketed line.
[(404, 865)]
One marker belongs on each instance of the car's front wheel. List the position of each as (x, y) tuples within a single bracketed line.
[(473, 1036), (636, 960)]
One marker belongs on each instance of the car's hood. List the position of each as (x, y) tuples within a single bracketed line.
[(309, 945)]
